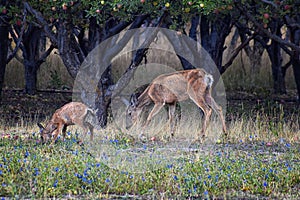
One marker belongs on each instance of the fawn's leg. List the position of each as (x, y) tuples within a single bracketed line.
[(56, 133), (172, 108), (64, 130)]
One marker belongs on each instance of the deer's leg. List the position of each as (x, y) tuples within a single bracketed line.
[(207, 113), (153, 112), (172, 108), (201, 103), (218, 109)]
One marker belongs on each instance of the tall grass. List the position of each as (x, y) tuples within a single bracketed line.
[(237, 77), (14, 76)]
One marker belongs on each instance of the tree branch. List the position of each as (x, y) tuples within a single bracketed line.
[(235, 53), (45, 55), (17, 40), (270, 3), (265, 31), (138, 57), (43, 23)]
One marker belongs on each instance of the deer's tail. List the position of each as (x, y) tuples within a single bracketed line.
[(209, 80)]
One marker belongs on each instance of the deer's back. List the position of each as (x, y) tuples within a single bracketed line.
[(71, 113), (173, 87)]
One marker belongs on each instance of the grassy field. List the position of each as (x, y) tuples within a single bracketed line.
[(259, 159)]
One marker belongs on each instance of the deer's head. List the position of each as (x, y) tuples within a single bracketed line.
[(132, 111)]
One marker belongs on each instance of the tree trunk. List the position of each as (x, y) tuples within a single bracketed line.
[(3, 53), (295, 38), (30, 77), (31, 55), (104, 97), (275, 55), (102, 101), (213, 36)]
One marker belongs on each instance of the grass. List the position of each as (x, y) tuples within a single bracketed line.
[(260, 159)]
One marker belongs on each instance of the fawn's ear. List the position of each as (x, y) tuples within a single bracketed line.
[(40, 126)]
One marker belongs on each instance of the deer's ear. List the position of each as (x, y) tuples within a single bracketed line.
[(133, 100), (125, 101), (40, 126)]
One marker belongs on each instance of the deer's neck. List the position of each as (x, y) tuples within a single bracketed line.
[(144, 99)]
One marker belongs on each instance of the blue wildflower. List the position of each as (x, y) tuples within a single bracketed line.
[(205, 192), (84, 179), (98, 165), (107, 180), (55, 183), (1, 172), (195, 188), (56, 169), (36, 171), (216, 178), (169, 166), (175, 177), (265, 184)]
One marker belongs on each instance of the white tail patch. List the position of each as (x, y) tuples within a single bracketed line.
[(208, 79)]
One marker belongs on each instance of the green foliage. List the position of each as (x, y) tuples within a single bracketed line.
[(180, 11), (55, 81)]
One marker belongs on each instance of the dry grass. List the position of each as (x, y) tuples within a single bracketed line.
[(237, 77)]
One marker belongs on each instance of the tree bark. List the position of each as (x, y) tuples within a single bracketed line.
[(104, 96), (3, 53), (295, 38), (275, 55), (31, 53), (213, 36)]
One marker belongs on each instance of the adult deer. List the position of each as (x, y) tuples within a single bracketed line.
[(171, 88), (73, 113)]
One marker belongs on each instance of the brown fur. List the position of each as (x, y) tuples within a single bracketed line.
[(73, 113), (174, 87)]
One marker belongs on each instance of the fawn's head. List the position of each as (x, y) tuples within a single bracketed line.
[(46, 132)]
